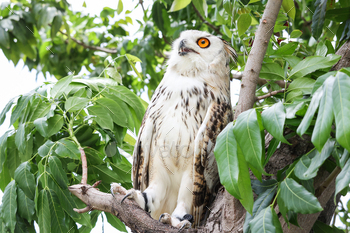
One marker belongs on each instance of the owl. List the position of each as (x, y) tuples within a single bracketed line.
[(174, 168)]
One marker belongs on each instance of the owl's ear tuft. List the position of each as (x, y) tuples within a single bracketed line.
[(229, 50)]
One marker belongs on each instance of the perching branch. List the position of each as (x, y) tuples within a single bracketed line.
[(216, 29)]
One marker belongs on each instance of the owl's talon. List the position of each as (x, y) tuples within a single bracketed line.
[(185, 224), (165, 218)]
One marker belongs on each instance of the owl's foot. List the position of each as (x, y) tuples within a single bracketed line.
[(117, 188), (181, 223)]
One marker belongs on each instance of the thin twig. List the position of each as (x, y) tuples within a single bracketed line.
[(272, 93), (215, 28), (106, 50), (141, 3)]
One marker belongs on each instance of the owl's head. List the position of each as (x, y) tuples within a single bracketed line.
[(197, 50)]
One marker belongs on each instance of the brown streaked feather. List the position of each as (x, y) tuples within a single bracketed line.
[(219, 116), (229, 50)]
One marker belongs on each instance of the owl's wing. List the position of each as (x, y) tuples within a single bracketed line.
[(142, 154), (205, 175)]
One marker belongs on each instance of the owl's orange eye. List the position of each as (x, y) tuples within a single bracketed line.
[(203, 42)]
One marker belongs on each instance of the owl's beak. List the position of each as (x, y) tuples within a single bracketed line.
[(183, 50)]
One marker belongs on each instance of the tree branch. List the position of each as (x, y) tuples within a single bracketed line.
[(92, 47), (256, 57), (216, 29), (272, 93), (128, 212)]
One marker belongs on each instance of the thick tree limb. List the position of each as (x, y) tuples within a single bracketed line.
[(256, 57)]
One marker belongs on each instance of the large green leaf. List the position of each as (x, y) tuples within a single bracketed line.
[(56, 25), (247, 132), (263, 201), (13, 159), (75, 103), (102, 116), (264, 222), (297, 198), (338, 14), (43, 212), (320, 227), (244, 183), (22, 105), (325, 116), (271, 71), (273, 119), (39, 111), (341, 103), (5, 110), (46, 148), (3, 148), (179, 4), (115, 222), (201, 6), (49, 127), (303, 164), (157, 11), (57, 172), (4, 38), (243, 23), (67, 148), (114, 109), (304, 85), (343, 179), (25, 179), (318, 18), (59, 88), (320, 80), (260, 187), (318, 160), (57, 213), (305, 123), (289, 8), (9, 205), (26, 206), (311, 64), (227, 160)]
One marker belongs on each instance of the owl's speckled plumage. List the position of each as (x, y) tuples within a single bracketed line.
[(174, 164)]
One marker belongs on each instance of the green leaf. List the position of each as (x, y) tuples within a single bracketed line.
[(13, 159), (46, 148), (343, 179), (102, 117), (43, 212), (59, 88), (67, 148), (24, 142), (303, 164), (244, 183), (260, 187), (227, 160), (318, 160), (57, 214), (287, 49), (26, 206), (5, 110), (114, 74), (22, 104), (243, 23), (75, 103), (318, 18), (49, 127), (105, 173), (320, 80), (298, 199), (320, 227), (227, 31), (305, 123), (263, 201), (39, 111), (179, 4), (25, 179), (114, 110), (296, 33), (120, 7), (325, 116), (157, 11), (304, 85), (56, 25), (201, 6), (3, 148), (271, 71), (311, 64), (115, 222), (57, 172), (248, 135), (264, 222), (338, 14), (4, 38), (341, 103), (289, 8), (9, 205), (273, 120), (321, 49)]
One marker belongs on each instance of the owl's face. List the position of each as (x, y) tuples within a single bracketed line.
[(197, 50)]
